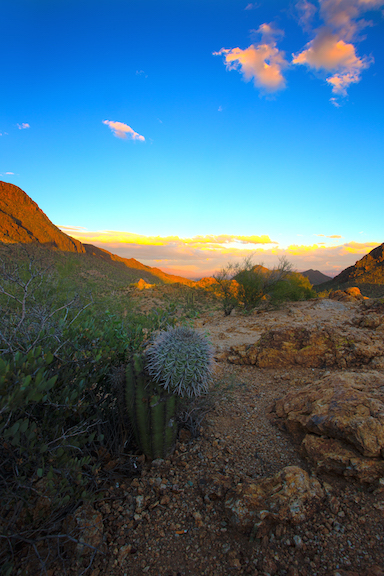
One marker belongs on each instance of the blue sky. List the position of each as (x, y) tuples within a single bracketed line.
[(191, 133)]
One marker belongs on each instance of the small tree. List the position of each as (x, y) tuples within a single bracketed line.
[(226, 288)]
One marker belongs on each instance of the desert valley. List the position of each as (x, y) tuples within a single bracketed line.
[(277, 470)]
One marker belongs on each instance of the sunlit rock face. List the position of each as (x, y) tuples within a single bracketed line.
[(21, 220), (339, 421)]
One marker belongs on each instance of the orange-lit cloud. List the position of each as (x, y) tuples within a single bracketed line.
[(121, 130), (204, 255), (332, 49), (328, 259), (325, 236), (327, 52), (23, 126), (343, 15), (71, 228), (263, 62)]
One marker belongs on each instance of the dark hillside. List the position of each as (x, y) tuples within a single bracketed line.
[(155, 273), (370, 269), (315, 276)]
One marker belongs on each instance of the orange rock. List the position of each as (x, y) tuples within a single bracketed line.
[(290, 496), (347, 406), (355, 292)]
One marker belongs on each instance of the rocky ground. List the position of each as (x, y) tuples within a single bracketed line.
[(250, 494)]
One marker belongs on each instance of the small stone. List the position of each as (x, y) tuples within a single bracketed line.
[(298, 541)]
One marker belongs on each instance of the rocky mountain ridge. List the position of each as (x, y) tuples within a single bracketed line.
[(22, 221)]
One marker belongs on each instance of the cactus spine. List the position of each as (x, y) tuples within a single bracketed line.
[(180, 359)]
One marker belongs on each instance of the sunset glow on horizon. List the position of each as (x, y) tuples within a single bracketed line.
[(190, 134)]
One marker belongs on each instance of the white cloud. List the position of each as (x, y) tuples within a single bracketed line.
[(121, 130), (252, 6), (73, 228), (263, 62), (23, 126), (10, 173)]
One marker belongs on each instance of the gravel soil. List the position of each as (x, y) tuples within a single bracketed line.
[(160, 523)]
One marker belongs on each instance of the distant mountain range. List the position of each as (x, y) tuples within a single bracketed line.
[(315, 276), (21, 220)]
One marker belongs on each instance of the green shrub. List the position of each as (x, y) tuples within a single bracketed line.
[(58, 404), (226, 289), (294, 288), (245, 285)]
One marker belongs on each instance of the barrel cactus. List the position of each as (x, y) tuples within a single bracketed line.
[(177, 363), (180, 359)]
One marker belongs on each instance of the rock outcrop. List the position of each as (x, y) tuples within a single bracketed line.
[(310, 348), (339, 421), (371, 316), (347, 295)]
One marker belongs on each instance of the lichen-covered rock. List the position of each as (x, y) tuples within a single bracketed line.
[(371, 315), (290, 496), (347, 411)]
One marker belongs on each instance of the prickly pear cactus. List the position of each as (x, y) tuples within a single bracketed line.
[(151, 410), (180, 359)]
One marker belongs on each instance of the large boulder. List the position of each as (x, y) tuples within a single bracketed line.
[(339, 421), (290, 496), (348, 295)]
